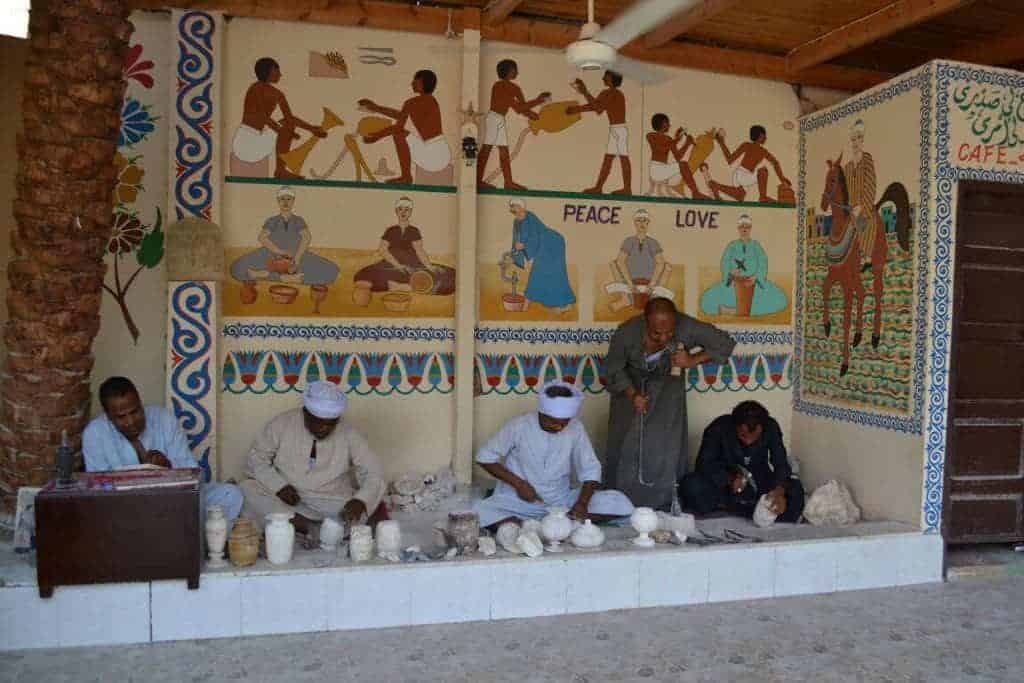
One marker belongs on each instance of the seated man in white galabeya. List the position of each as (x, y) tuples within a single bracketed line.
[(535, 457)]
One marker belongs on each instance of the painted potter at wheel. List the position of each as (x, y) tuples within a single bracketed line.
[(644, 521), (216, 534), (280, 535), (556, 527)]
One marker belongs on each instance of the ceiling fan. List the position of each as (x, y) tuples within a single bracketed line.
[(598, 48)]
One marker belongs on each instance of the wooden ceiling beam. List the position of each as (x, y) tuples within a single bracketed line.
[(866, 30), (686, 21), (1005, 48), (523, 31), (498, 11)]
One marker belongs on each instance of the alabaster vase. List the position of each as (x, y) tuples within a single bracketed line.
[(280, 535), (644, 521), (507, 534), (587, 535), (360, 543), (464, 528), (330, 534), (556, 527), (389, 538), (216, 535)]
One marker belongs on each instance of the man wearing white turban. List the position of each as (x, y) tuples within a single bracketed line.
[(536, 456), (310, 462)]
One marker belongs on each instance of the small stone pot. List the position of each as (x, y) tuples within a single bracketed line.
[(243, 543)]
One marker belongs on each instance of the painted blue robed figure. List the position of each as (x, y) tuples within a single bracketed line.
[(743, 258), (548, 283)]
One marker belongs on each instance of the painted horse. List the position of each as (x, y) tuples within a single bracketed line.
[(843, 253)]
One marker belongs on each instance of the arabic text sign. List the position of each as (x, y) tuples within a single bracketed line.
[(986, 126)]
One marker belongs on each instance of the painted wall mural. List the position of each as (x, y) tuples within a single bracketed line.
[(533, 277), (132, 337), (638, 272), (572, 257), (136, 241), (291, 274), (741, 290), (595, 133), (320, 113), (385, 373), (863, 251)]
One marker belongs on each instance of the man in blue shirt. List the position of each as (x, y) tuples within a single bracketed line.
[(742, 458), (127, 434)]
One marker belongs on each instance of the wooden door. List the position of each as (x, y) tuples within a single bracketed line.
[(984, 500)]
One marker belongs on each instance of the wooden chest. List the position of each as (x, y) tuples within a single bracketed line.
[(96, 534)]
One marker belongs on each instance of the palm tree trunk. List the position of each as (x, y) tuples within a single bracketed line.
[(66, 176)]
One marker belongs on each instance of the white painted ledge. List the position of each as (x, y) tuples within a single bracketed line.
[(264, 600)]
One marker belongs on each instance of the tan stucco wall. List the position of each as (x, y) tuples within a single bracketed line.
[(883, 467)]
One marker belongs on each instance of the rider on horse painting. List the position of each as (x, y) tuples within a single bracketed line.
[(856, 244), (860, 177)]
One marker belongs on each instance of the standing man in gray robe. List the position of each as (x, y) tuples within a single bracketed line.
[(646, 452)]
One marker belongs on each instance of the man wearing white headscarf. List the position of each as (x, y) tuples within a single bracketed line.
[(310, 462), (401, 254), (536, 456), (640, 267), (284, 254)]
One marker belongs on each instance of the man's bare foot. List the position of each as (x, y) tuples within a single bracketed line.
[(714, 189), (622, 191), (285, 173), (697, 194), (765, 199), (401, 180), (484, 185), (514, 186), (593, 190)]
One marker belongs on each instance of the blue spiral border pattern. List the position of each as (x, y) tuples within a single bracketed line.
[(192, 365), (911, 424), (193, 151), (947, 176)]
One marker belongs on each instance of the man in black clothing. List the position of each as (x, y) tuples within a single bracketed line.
[(742, 458)]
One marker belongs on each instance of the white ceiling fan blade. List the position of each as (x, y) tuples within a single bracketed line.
[(640, 18), (633, 70)]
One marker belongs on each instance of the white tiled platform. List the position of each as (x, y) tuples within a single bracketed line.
[(320, 591)]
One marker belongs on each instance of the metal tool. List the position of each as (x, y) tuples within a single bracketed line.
[(740, 538), (643, 428), (377, 59), (378, 55)]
